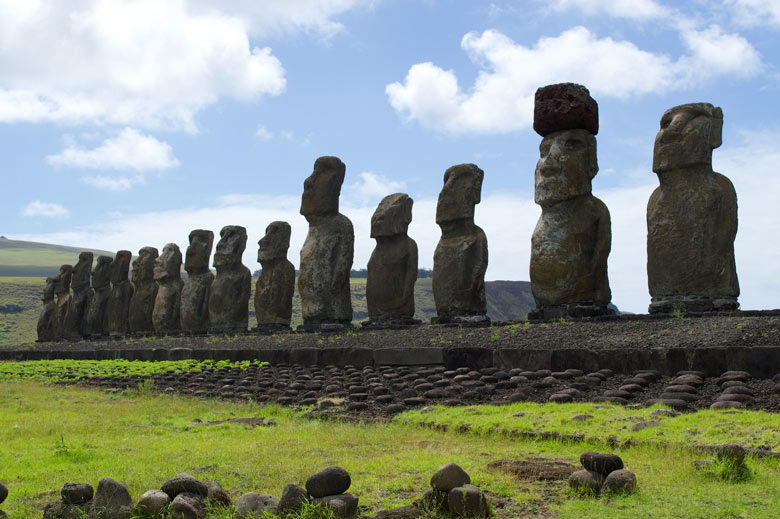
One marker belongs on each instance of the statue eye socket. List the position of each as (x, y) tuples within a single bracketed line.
[(574, 145), (665, 122), (544, 149)]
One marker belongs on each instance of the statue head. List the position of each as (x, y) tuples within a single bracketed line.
[(143, 265), (101, 274), (168, 264), (231, 245), (687, 136), (461, 192), (120, 266), (199, 251), (62, 283), (82, 271), (392, 216), (275, 243), (322, 188), (567, 163), (48, 289)]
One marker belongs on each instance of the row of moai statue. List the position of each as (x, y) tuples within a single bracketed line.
[(691, 226)]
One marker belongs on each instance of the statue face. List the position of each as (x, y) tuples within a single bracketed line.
[(231, 246), (120, 265), (275, 242), (392, 216), (62, 283), (461, 192), (48, 289), (322, 188), (143, 265), (199, 251), (82, 271), (567, 163), (169, 263), (687, 136), (102, 272)]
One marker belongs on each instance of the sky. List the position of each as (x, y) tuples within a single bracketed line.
[(126, 124)]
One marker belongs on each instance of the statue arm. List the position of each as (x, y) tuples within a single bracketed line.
[(411, 272)]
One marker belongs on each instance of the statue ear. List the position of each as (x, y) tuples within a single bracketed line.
[(593, 162), (716, 132)]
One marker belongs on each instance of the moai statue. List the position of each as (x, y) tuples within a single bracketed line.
[(121, 293), (392, 269), (167, 305), (326, 256), (97, 324), (62, 291), (573, 237), (461, 257), (229, 293), (195, 293), (691, 216), (46, 320), (79, 299), (139, 317), (276, 284)]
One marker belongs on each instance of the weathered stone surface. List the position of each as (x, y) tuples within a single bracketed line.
[(229, 293), (97, 323), (62, 292), (187, 506), (468, 501), (195, 292), (461, 256), (293, 498), (433, 500), (392, 268), (153, 502), (342, 505), (449, 476), (62, 510), (565, 106), (76, 493), (3, 492), (732, 451), (253, 504), (329, 481), (217, 494), (166, 315), (276, 284), (79, 299), (326, 256), (139, 317), (691, 216), (121, 293), (184, 483), (620, 481), (586, 481), (46, 321), (112, 500), (601, 462)]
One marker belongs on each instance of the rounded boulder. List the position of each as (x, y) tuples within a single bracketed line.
[(620, 481), (448, 477), (601, 462), (328, 482)]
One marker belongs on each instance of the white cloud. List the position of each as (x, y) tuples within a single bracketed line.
[(752, 13), (501, 99), (371, 187), (113, 183), (50, 210), (263, 134), (631, 9)]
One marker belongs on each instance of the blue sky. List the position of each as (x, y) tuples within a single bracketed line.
[(127, 124)]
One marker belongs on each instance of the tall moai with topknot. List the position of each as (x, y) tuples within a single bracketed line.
[(46, 324), (461, 256), (327, 253), (276, 284), (691, 216), (573, 237), (100, 293), (118, 308), (79, 299), (392, 268), (230, 291), (139, 317), (166, 315), (62, 292), (195, 292)]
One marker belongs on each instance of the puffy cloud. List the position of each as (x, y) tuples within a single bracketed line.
[(751, 13), (371, 187), (50, 210), (631, 9), (263, 134)]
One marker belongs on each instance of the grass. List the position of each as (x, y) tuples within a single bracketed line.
[(20, 328)]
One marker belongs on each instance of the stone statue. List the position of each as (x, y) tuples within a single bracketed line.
[(195, 293), (97, 323), (62, 291), (461, 257), (166, 315), (276, 284), (392, 269), (46, 320), (691, 216), (229, 293), (326, 256), (573, 237), (75, 327), (121, 292), (139, 317)]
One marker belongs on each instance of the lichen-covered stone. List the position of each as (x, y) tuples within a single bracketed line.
[(254, 505), (195, 291), (79, 299), (620, 481), (121, 293), (276, 283), (46, 324), (97, 323), (139, 317), (166, 315), (187, 506), (229, 293), (586, 482), (565, 106), (343, 506)]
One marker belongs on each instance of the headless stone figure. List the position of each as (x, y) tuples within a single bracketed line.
[(229, 293), (62, 291), (326, 256), (573, 237), (691, 216), (195, 292), (145, 288), (392, 269), (461, 257), (97, 324), (121, 293), (167, 305), (276, 284), (75, 327), (46, 320)]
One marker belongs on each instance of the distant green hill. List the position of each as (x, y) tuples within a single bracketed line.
[(32, 259)]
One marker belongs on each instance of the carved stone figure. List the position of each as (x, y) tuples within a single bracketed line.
[(461, 257), (276, 284), (229, 293), (97, 323), (62, 291), (691, 216), (79, 299), (573, 237), (166, 315), (144, 291), (46, 324), (195, 292), (326, 256), (121, 293), (392, 269)]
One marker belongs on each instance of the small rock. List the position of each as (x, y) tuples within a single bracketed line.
[(601, 462), (111, 501), (702, 464), (293, 498), (468, 501), (664, 412), (184, 483), (187, 505), (74, 493), (448, 477), (644, 425), (561, 398), (153, 502), (738, 390), (586, 481), (217, 494), (733, 451), (620, 481), (253, 504), (328, 482), (581, 417), (727, 404), (737, 397), (342, 505), (3, 492)]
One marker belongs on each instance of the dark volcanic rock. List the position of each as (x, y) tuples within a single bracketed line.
[(329, 481)]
